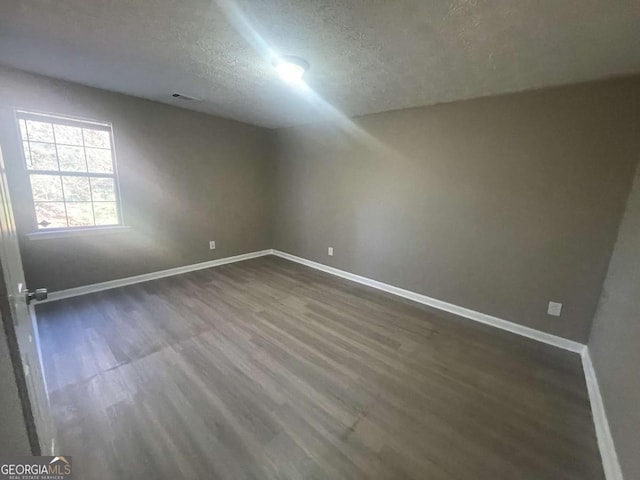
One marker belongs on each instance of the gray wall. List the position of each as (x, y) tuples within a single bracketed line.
[(497, 204), (185, 179), (615, 339)]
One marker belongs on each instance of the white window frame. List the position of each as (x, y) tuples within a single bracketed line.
[(53, 232)]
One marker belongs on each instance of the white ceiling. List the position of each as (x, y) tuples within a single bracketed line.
[(365, 56)]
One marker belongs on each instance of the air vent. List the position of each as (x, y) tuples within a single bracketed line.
[(186, 98)]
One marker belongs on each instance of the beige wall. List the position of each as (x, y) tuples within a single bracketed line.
[(498, 204), (615, 339), (185, 179)]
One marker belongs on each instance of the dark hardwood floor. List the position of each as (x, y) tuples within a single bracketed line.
[(267, 369)]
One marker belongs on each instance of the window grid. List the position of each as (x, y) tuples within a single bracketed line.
[(64, 197), (112, 201), (84, 151)]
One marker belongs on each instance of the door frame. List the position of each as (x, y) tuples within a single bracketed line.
[(8, 321), (20, 328)]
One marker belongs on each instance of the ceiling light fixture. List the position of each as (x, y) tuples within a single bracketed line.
[(290, 68)]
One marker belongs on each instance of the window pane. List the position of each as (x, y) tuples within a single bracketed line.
[(23, 129), (71, 170), (97, 138), (71, 159), (76, 189), (68, 135), (43, 156), (27, 154), (99, 160), (50, 214), (80, 214), (40, 131), (46, 187), (103, 189), (106, 213)]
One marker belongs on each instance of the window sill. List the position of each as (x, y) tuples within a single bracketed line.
[(79, 232)]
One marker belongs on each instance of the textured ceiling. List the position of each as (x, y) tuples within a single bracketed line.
[(365, 56)]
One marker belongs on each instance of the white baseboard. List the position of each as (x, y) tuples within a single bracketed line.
[(606, 446), (121, 282), (528, 332), (416, 297), (610, 463), (605, 440)]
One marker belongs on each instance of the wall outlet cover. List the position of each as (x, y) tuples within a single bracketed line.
[(330, 251), (554, 309), (212, 245)]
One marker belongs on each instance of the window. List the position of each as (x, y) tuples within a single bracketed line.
[(71, 170)]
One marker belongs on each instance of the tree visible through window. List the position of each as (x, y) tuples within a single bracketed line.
[(72, 172)]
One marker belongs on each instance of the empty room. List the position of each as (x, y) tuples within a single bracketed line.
[(320, 240)]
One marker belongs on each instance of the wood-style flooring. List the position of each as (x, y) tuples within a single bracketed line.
[(266, 369)]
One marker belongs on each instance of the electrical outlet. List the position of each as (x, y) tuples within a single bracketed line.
[(554, 309), (330, 251), (212, 245)]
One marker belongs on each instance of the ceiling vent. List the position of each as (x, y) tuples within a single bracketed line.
[(186, 98)]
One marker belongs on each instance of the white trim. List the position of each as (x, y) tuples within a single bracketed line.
[(606, 445), (121, 282), (76, 232), (528, 332), (610, 463)]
